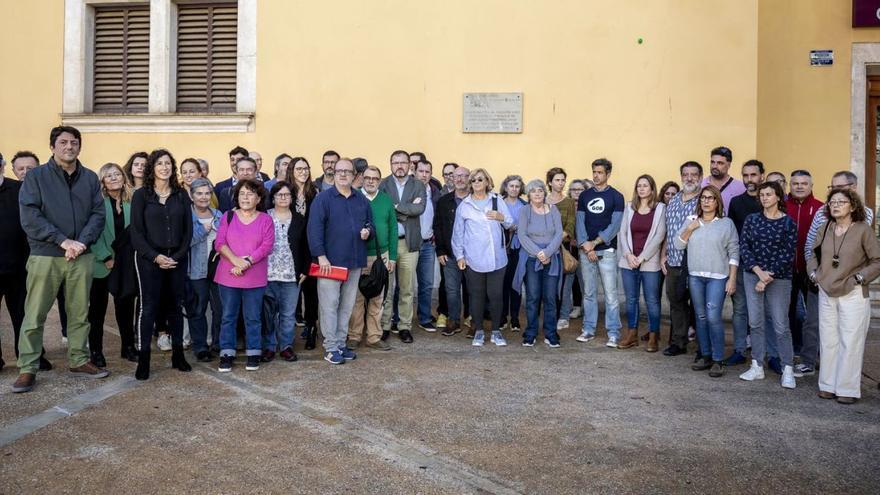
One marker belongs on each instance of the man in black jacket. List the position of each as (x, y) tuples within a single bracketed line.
[(444, 220), (62, 213)]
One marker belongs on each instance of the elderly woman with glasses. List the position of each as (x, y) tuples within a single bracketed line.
[(478, 247), (846, 259), (712, 258), (540, 262)]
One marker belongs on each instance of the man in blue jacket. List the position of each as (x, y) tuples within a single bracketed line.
[(62, 213)]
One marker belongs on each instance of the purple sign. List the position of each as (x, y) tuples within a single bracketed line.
[(866, 13)]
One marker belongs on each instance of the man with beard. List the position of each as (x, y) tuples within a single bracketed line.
[(328, 163), (679, 212), (720, 159)]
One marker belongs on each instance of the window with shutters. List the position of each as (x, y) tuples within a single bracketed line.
[(121, 59), (206, 57)]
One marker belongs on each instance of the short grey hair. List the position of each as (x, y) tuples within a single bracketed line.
[(536, 184), (201, 182)]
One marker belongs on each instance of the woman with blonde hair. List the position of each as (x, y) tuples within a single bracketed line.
[(114, 268)]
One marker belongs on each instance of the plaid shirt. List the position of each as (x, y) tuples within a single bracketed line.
[(677, 212)]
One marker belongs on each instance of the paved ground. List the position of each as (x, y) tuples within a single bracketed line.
[(437, 416)]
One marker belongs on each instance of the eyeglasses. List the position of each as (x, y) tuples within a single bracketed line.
[(477, 179), (282, 196), (707, 198), (838, 202), (344, 171)]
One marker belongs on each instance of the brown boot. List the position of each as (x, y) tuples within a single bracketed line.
[(653, 345), (24, 383), (630, 339)]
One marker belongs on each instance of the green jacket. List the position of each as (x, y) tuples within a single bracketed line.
[(385, 218), (103, 247)]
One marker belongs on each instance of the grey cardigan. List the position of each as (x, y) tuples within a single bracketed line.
[(52, 211), (408, 212), (712, 248), (650, 256)]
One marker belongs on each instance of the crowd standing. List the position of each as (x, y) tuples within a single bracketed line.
[(354, 255)]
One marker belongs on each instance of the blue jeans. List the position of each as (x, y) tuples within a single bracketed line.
[(650, 285), (707, 296), (566, 303), (250, 301), (591, 273), (279, 315), (200, 293), (540, 287), (425, 280), (453, 289), (772, 305)]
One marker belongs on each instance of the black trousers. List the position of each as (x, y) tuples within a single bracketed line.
[(800, 284), (156, 284), (679, 308), (123, 308), (442, 305), (13, 287), (483, 286), (308, 302)]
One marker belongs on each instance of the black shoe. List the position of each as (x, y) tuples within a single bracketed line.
[(45, 365), (129, 354), (143, 369), (674, 350), (385, 334), (178, 361), (405, 336), (717, 369), (253, 363), (702, 365), (393, 327), (514, 325), (698, 356), (203, 356), (311, 338), (97, 358), (775, 364)]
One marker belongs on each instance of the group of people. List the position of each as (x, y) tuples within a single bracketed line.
[(354, 254)]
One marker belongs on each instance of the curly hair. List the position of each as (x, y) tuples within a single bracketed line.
[(150, 170)]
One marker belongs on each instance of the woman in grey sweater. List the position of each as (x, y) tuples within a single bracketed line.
[(712, 259), (540, 234)]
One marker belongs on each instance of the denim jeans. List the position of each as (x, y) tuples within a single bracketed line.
[(279, 315), (740, 314), (454, 277), (771, 304), (540, 287), (707, 295), (199, 294), (511, 299), (250, 302), (425, 280), (591, 272), (650, 285), (566, 302)]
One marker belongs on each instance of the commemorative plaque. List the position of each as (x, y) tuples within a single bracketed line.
[(492, 112)]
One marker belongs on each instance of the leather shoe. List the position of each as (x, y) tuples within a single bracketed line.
[(203, 356), (97, 358), (846, 400), (405, 336), (385, 334), (45, 365), (826, 395), (653, 345), (24, 383), (129, 354), (674, 350), (89, 370)]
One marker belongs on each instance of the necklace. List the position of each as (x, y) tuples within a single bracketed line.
[(835, 260)]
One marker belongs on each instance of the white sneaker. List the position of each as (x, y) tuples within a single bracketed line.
[(575, 313), (612, 342), (187, 343), (164, 342), (498, 339), (585, 337), (562, 324), (788, 377), (755, 372), (479, 338)]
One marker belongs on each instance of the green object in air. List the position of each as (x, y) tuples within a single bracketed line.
[(641, 41)]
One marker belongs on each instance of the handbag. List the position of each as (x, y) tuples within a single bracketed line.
[(569, 262), (682, 288), (374, 282)]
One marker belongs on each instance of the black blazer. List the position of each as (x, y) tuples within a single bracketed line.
[(444, 220), (299, 242)]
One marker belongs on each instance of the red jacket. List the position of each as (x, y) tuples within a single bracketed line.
[(802, 212)]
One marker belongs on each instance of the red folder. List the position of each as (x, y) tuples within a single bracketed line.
[(336, 272)]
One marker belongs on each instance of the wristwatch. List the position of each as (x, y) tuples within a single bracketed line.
[(859, 278)]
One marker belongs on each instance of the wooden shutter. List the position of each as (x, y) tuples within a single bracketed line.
[(122, 59), (207, 46)]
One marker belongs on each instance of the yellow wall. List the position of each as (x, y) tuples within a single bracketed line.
[(366, 78), (804, 111)]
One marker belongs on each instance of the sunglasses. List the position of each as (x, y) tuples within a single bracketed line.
[(477, 179)]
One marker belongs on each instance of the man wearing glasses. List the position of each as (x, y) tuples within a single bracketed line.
[(328, 163), (810, 329), (340, 223), (448, 183), (409, 198)]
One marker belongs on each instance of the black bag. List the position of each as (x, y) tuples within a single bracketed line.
[(214, 256), (375, 282), (682, 288)]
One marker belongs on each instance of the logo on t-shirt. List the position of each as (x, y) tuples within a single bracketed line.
[(596, 205)]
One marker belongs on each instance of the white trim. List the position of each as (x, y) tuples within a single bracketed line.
[(160, 57), (246, 61), (863, 55), (154, 123)]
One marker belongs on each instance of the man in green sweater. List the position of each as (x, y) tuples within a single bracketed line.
[(385, 220)]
